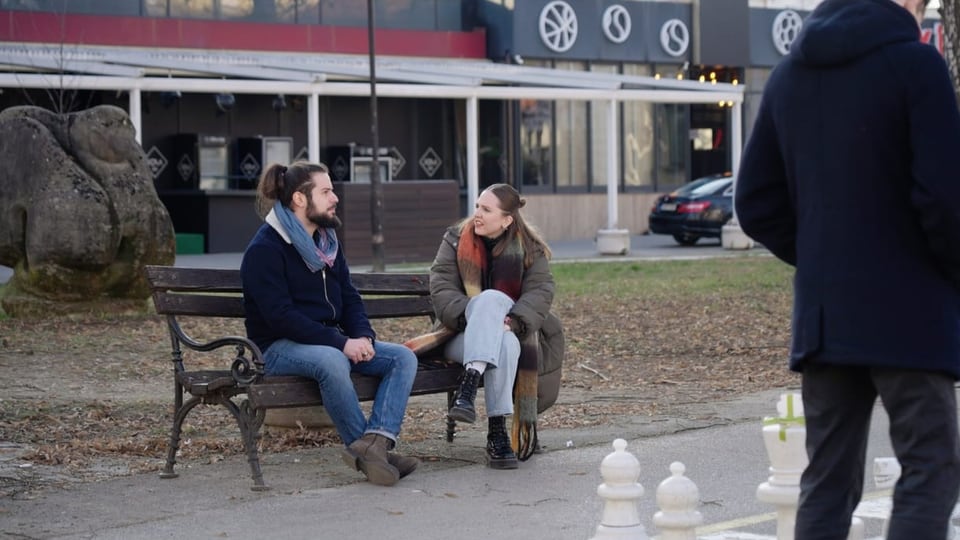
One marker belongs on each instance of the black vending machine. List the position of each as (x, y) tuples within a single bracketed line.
[(194, 161), (253, 154), (354, 163)]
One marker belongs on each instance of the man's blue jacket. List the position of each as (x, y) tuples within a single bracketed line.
[(284, 299)]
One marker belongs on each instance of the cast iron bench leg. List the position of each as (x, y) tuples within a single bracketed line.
[(247, 422), (174, 443)]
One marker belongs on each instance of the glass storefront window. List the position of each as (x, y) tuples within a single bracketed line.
[(673, 139), (756, 79), (191, 8), (637, 140), (572, 145), (244, 9), (155, 8), (536, 144), (270, 11)]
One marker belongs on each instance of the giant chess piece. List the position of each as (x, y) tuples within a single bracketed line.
[(621, 493), (784, 438), (678, 498)]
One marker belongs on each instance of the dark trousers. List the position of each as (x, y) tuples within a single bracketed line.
[(838, 402)]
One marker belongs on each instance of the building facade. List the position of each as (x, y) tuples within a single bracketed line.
[(590, 107)]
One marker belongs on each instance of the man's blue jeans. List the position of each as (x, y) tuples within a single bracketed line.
[(396, 365)]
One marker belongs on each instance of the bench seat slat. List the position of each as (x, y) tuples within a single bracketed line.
[(193, 279), (178, 303), (291, 391), (390, 284), (206, 305), (228, 280)]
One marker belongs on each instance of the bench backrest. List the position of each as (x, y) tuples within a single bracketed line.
[(213, 292)]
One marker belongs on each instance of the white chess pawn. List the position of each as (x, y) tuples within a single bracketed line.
[(621, 494), (678, 498)]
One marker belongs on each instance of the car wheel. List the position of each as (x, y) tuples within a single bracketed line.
[(686, 239)]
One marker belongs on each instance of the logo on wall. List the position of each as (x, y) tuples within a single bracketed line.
[(397, 162), (675, 37), (156, 162), (558, 26), (302, 155), (340, 169), (185, 167), (430, 162), (786, 27), (249, 167), (617, 23)]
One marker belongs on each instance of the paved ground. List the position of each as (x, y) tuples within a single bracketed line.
[(453, 495)]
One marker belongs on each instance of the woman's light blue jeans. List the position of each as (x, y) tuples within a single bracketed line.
[(486, 340), (395, 364)]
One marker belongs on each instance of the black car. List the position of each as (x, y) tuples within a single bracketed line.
[(696, 210)]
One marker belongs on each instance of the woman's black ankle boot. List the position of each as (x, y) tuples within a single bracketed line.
[(463, 409), (499, 453)]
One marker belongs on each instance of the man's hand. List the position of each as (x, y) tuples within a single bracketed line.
[(359, 349)]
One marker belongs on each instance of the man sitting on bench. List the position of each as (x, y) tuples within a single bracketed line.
[(308, 319)]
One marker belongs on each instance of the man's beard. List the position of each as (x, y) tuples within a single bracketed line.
[(324, 221)]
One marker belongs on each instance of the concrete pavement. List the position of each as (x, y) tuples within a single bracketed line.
[(453, 494)]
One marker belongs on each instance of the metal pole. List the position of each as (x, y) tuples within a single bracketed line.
[(376, 187), (313, 127), (613, 215), (473, 167), (136, 116)]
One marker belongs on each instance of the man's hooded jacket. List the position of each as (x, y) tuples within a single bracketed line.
[(852, 174)]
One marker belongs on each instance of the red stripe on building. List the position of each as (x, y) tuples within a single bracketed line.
[(35, 27)]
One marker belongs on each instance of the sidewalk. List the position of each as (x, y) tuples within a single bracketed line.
[(453, 494)]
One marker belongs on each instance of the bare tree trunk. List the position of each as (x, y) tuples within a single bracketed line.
[(951, 47)]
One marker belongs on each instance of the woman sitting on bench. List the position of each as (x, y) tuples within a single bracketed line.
[(492, 289)]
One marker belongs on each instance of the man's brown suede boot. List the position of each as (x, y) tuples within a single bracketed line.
[(404, 464), (368, 454)]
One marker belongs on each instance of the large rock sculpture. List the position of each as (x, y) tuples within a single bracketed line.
[(79, 216)]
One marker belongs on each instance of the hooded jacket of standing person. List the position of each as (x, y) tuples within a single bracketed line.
[(851, 175)]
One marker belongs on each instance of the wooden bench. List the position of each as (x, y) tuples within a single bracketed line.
[(203, 292)]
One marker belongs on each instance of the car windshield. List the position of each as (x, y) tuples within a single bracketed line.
[(704, 186)]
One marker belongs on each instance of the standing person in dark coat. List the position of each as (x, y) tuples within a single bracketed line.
[(850, 175), (304, 313)]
